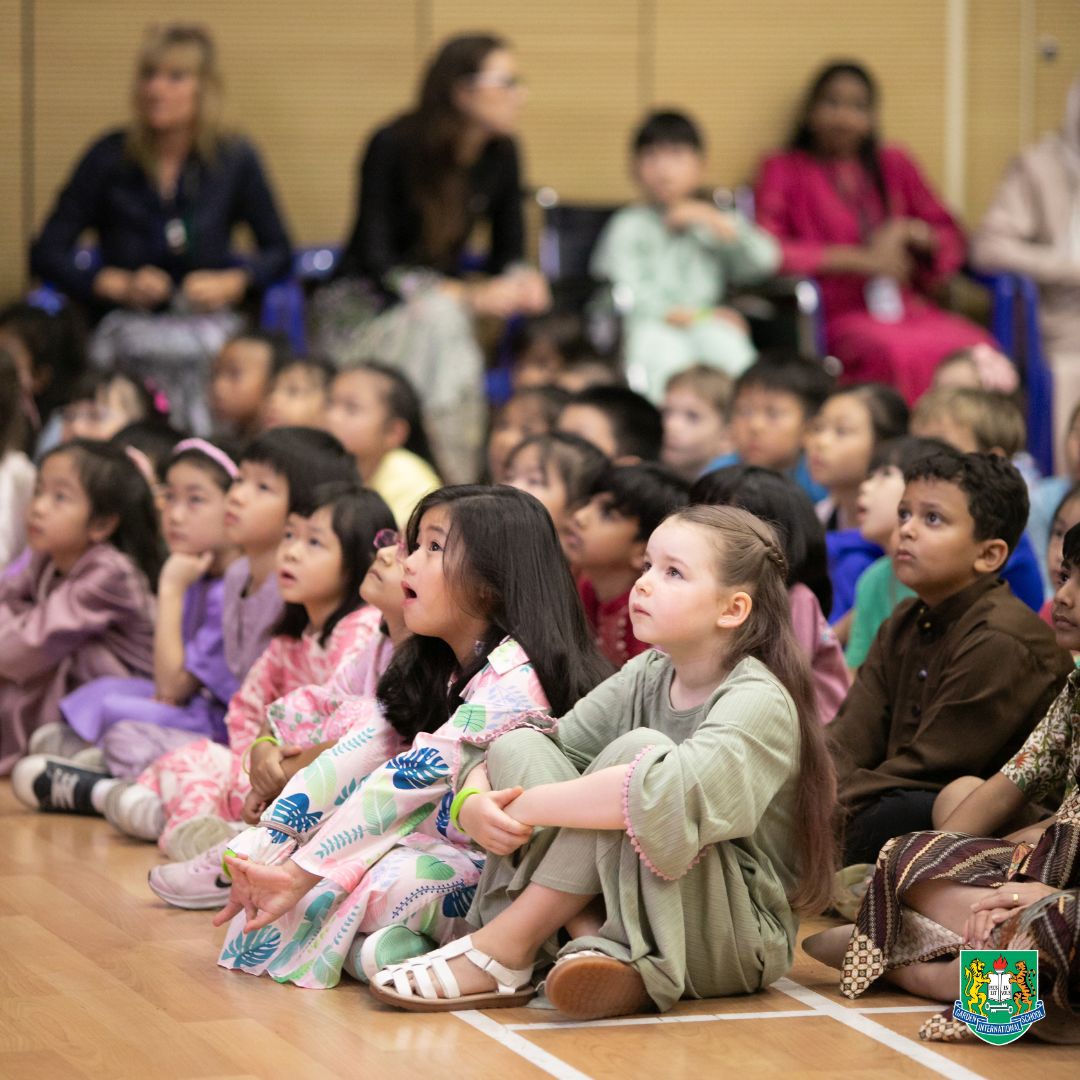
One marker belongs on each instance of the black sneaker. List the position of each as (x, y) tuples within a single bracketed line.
[(54, 785)]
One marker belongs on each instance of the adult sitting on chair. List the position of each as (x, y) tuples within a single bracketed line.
[(163, 196), (427, 179), (1033, 227)]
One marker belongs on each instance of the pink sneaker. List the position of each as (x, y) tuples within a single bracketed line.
[(196, 885)]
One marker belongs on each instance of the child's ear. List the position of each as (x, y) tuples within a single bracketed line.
[(397, 431), (101, 528), (734, 611), (993, 554), (637, 555)]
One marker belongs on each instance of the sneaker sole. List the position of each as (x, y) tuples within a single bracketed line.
[(194, 837)]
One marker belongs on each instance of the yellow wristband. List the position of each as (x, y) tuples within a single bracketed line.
[(246, 764), (458, 803)]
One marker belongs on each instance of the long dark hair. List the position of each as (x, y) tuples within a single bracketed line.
[(115, 487), (749, 556), (507, 567), (438, 182), (802, 138), (12, 417), (787, 508), (358, 515)]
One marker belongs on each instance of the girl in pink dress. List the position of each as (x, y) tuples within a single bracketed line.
[(862, 219)]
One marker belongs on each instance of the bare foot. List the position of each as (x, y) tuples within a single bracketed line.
[(829, 946), (264, 892)]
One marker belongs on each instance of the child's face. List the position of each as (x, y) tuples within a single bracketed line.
[(256, 508), (601, 538), (526, 471), (840, 442), (58, 517), (112, 408), (879, 496), (381, 586), (948, 430), (669, 172), (937, 553), (767, 427), (297, 399), (1066, 607), (592, 425), (1064, 520), (676, 601), (357, 415), (538, 365), (430, 606), (1072, 449), (694, 432), (194, 518), (519, 418), (239, 382), (309, 562)]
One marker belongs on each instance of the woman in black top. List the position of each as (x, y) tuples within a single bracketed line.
[(427, 180), (162, 197)]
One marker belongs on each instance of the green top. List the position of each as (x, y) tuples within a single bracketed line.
[(877, 593)]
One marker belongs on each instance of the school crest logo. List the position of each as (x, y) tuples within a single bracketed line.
[(999, 993)]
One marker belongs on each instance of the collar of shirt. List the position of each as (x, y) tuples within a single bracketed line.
[(933, 622)]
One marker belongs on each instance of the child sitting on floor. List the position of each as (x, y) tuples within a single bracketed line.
[(696, 412), (300, 394), (241, 377), (957, 677), (1066, 515), (560, 470), (774, 403), (677, 864), (675, 255), (532, 410), (842, 439), (83, 606), (543, 345), (606, 542), (16, 469), (375, 413), (622, 425)]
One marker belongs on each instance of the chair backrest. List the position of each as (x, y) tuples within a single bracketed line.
[(568, 235)]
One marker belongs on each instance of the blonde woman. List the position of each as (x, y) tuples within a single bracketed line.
[(162, 196)]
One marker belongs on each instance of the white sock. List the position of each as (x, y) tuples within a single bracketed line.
[(100, 790)]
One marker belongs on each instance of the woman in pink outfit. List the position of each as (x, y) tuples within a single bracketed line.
[(862, 219)]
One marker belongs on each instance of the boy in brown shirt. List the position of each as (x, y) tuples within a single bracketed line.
[(958, 676)]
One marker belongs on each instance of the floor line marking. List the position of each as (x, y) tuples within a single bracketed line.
[(639, 1021), (530, 1052), (878, 1032)]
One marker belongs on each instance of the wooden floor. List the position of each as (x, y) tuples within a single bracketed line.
[(98, 978)]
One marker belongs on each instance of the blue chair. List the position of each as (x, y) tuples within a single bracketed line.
[(1014, 321)]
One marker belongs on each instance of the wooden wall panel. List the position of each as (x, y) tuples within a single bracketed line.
[(12, 226), (744, 75), (306, 82), (582, 64)]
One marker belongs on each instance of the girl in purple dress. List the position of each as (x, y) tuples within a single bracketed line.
[(134, 721), (82, 606)]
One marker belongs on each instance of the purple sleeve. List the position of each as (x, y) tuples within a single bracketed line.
[(204, 644)]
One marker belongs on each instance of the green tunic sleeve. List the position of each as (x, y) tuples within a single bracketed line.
[(717, 784)]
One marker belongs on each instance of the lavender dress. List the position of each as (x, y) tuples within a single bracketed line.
[(122, 716), (249, 620)]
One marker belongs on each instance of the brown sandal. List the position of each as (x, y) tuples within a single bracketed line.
[(590, 985)]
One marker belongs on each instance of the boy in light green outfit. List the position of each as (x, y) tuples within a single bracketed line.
[(674, 256)]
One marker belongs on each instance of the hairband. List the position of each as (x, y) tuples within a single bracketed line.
[(214, 453), (143, 464)]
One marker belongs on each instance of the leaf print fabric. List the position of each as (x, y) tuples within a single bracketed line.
[(384, 848)]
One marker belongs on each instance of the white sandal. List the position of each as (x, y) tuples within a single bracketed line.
[(410, 985)]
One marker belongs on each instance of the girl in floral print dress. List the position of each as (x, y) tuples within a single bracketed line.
[(355, 842)]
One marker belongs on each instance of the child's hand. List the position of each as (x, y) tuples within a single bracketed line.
[(267, 775), (681, 316), (483, 817), (181, 571), (691, 212), (254, 807)]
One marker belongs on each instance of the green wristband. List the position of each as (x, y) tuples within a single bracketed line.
[(458, 803), (245, 762)]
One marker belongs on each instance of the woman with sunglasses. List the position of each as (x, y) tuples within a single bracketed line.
[(427, 179)]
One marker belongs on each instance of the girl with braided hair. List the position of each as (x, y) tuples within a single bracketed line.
[(668, 828)]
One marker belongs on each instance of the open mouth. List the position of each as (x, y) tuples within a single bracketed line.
[(410, 594), (286, 577)]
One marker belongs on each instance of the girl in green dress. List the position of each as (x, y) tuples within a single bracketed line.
[(666, 829)]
